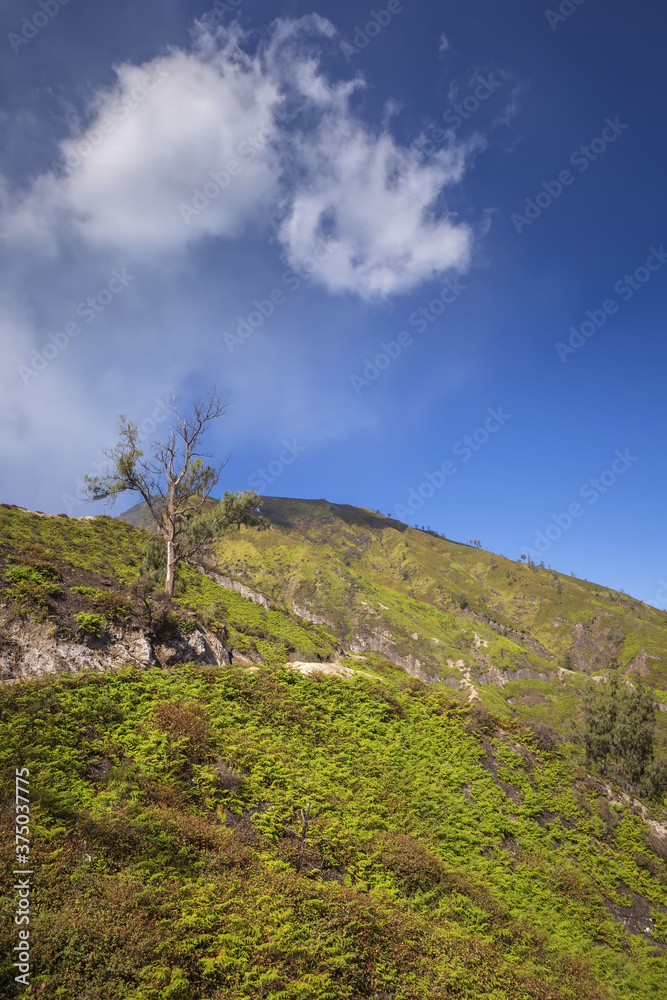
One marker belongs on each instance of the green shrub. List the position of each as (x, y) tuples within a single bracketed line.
[(168, 625), (414, 866), (543, 736), (228, 779), (110, 603), (32, 585), (186, 626), (89, 624), (655, 782), (39, 572), (618, 736), (480, 721), (185, 722)]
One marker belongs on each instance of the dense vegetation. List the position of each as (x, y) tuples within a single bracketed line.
[(530, 636), (445, 857), (619, 735), (82, 575), (247, 832)]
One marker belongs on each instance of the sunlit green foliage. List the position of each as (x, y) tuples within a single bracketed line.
[(89, 624), (114, 551), (450, 852), (31, 586), (446, 857)]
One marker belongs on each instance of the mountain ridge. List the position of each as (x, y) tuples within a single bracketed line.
[(441, 608), (248, 791)]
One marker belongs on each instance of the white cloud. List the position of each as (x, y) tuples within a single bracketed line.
[(193, 124), (152, 140), (187, 147), (444, 43), (378, 201), (46, 423)]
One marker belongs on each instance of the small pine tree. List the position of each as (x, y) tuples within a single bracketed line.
[(619, 723)]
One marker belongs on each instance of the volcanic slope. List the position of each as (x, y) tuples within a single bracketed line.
[(238, 830), (521, 637)]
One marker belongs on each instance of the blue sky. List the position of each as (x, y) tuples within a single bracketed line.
[(420, 246)]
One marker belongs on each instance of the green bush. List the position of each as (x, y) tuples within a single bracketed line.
[(31, 586), (544, 736), (186, 626), (39, 572), (619, 723), (89, 624), (655, 781), (415, 867), (168, 625), (481, 722), (110, 603), (185, 722)]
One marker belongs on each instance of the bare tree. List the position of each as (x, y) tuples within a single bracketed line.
[(305, 822), (175, 484)]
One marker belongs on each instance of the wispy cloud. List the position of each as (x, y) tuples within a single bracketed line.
[(182, 130), (269, 153)]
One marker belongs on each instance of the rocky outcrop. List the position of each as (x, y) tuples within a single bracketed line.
[(310, 616), (639, 665), (200, 647), (596, 644), (229, 584), (335, 669), (33, 650), (382, 644)]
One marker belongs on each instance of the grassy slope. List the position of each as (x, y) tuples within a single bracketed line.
[(446, 857), (362, 570), (103, 553), (332, 557), (440, 863)]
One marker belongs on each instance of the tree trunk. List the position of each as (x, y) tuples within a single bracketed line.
[(171, 553), (169, 582)]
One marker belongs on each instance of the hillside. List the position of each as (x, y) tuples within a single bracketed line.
[(521, 637), (218, 818)]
